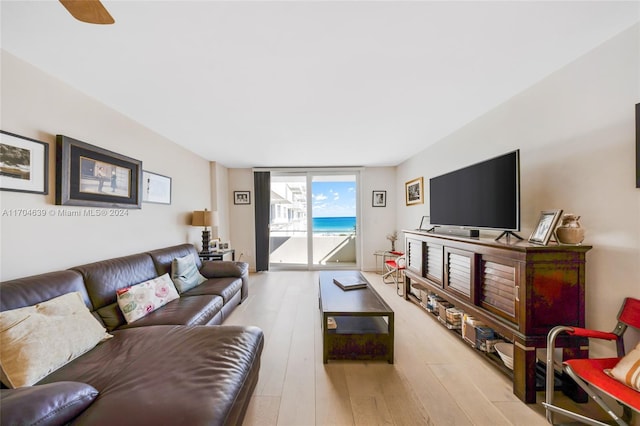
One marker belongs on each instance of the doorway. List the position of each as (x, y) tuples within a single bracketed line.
[(314, 220)]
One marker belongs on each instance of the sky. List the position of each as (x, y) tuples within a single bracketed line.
[(334, 199)]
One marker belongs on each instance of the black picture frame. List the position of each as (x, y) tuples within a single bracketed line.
[(24, 164), (241, 197), (379, 199), (156, 188), (637, 145), (87, 175), (546, 227)]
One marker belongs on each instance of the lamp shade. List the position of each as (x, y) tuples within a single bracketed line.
[(201, 218)]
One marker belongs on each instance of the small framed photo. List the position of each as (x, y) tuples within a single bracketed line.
[(87, 175), (155, 188), (414, 192), (241, 197), (379, 199), (24, 164), (546, 227)]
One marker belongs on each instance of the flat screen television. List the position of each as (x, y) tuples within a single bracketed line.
[(485, 195)]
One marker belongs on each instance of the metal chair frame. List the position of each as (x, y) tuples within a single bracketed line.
[(394, 269), (628, 316)]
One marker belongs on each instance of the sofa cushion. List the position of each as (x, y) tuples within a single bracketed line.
[(223, 287), (103, 278), (163, 257), (141, 299), (46, 405), (184, 273), (39, 339), (31, 290), (196, 375), (200, 310)]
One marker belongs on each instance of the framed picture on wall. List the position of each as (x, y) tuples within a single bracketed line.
[(241, 197), (87, 175), (546, 227), (379, 199), (414, 191), (24, 164), (637, 145), (156, 188)]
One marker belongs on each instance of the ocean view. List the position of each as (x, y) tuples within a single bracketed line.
[(334, 224)]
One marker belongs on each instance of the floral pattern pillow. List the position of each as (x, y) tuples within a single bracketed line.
[(141, 299)]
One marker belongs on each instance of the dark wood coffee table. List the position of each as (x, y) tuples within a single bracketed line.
[(364, 321)]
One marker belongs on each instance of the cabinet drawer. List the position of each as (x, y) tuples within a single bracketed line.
[(459, 268), (499, 288), (414, 249), (433, 262)]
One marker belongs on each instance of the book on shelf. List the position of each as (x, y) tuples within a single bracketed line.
[(350, 282)]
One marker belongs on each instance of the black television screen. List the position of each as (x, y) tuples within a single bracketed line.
[(485, 195)]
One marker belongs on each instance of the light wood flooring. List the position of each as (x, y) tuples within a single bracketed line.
[(436, 378)]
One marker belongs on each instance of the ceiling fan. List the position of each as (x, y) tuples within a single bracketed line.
[(90, 11)]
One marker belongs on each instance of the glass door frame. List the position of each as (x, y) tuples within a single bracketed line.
[(310, 173)]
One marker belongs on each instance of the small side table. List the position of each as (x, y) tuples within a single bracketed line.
[(218, 254)]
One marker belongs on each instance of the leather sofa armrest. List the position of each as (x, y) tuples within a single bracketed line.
[(46, 405), (224, 268)]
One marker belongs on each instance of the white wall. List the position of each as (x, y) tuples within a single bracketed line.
[(378, 222), (39, 106), (576, 134)]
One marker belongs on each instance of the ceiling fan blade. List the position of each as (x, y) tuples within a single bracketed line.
[(90, 11)]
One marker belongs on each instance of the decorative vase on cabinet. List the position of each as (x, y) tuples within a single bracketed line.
[(570, 231)]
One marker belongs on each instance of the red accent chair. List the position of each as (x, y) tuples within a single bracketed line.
[(394, 269), (589, 373)]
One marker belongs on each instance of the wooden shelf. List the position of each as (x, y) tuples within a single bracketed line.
[(499, 284)]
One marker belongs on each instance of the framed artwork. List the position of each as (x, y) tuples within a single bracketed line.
[(414, 191), (637, 145), (24, 164), (87, 175), (379, 199), (546, 227), (155, 188), (241, 197)]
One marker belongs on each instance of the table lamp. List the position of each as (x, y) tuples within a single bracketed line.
[(203, 218)]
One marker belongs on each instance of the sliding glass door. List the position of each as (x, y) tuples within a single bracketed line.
[(314, 220)]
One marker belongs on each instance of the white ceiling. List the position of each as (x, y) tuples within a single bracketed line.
[(297, 83)]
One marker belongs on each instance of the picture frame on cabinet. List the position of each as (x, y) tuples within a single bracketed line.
[(24, 164), (546, 227)]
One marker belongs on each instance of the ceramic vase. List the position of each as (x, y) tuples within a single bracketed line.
[(570, 231)]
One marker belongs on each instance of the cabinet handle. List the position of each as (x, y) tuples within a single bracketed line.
[(517, 293)]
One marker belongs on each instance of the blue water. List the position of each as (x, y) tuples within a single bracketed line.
[(334, 224)]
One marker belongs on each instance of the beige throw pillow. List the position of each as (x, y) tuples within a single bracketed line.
[(37, 340), (627, 370)]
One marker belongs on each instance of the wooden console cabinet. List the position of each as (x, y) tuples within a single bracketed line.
[(521, 290)]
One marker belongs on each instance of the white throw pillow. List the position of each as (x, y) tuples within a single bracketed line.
[(141, 299), (37, 340), (627, 370), (185, 274)]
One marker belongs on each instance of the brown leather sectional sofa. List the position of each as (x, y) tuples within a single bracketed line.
[(176, 365)]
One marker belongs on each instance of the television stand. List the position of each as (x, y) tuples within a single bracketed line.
[(508, 234)]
